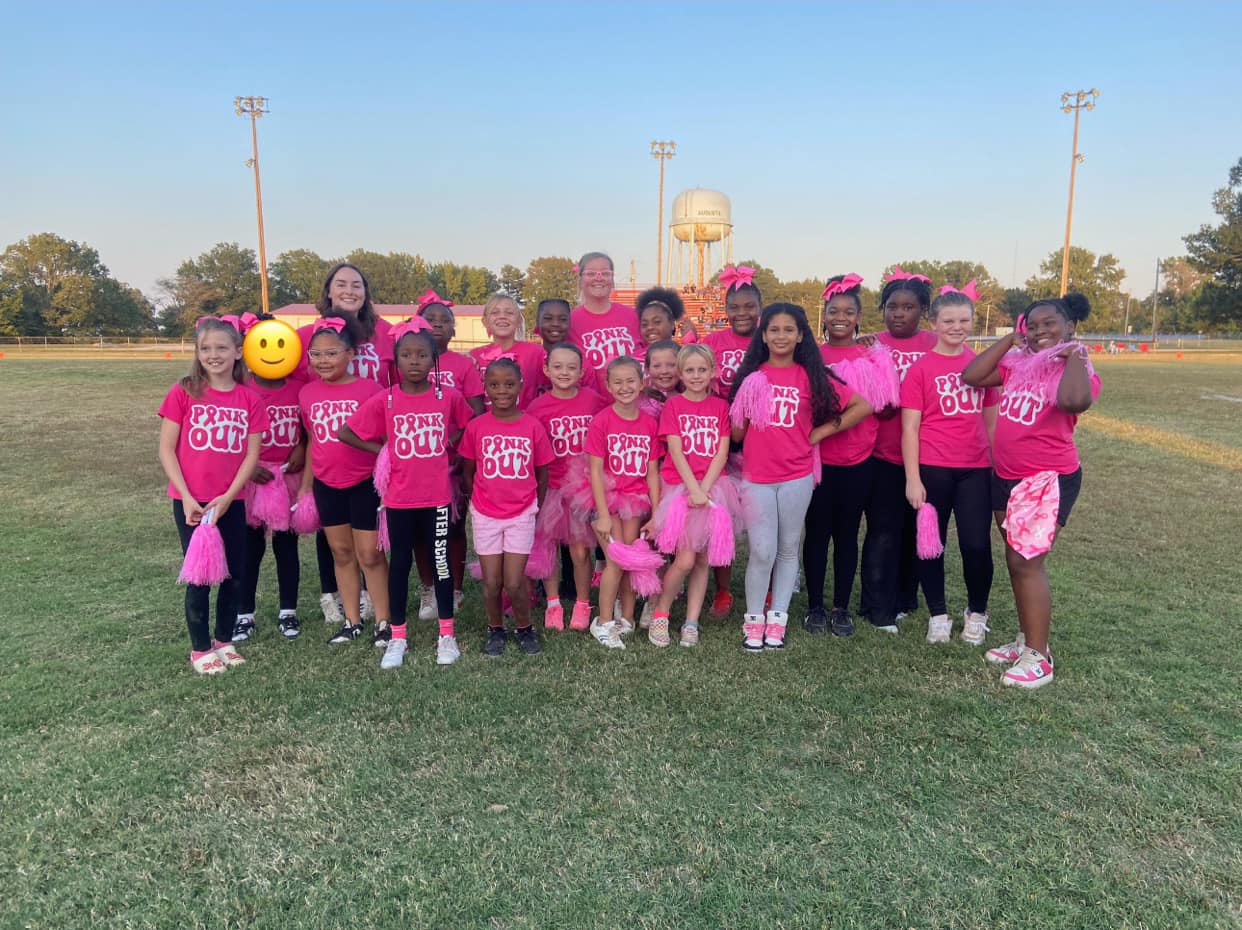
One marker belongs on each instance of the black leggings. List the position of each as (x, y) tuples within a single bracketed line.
[(288, 568), (889, 579), (232, 526), (834, 515), (427, 526), (327, 568), (967, 492)]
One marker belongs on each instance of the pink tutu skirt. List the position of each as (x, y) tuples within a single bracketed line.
[(561, 523), (701, 529), (577, 491)]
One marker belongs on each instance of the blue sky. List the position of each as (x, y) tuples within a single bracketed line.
[(847, 136)]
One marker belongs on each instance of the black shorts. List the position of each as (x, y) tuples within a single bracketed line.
[(1070, 484), (354, 506)]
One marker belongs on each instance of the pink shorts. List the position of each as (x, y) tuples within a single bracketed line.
[(494, 536)]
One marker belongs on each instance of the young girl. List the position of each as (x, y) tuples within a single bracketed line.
[(694, 426), (836, 508), (283, 450), (210, 436), (603, 330), (503, 321), (420, 421), (552, 326), (742, 305), (944, 444), (662, 378), (624, 449), (340, 475), (1047, 382), (889, 582), (662, 316), (505, 457), (565, 412), (778, 458)]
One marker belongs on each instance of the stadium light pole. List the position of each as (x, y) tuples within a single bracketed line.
[(254, 107), (661, 152), (1083, 100)]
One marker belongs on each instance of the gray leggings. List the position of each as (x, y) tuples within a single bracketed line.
[(775, 515)]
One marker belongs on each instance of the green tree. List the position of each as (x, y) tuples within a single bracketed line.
[(1216, 252), (958, 273), (548, 278), (1097, 278), (512, 280), (297, 276), (395, 278), (224, 279)]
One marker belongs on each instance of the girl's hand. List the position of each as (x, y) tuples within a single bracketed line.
[(1070, 348), (297, 459), (698, 498), (821, 432), (916, 494), (866, 341), (220, 504), (261, 475), (603, 529), (193, 512), (647, 530)]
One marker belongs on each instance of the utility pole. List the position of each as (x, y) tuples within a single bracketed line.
[(1083, 100), (661, 152), (254, 107), (1155, 299)]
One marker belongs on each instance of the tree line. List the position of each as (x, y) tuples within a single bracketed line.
[(58, 287)]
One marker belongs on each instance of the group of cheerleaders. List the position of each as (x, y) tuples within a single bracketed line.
[(628, 452)]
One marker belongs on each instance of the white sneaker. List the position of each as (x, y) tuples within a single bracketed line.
[(427, 605), (394, 654), (774, 629), (644, 619), (616, 610), (365, 608), (939, 629), (446, 651), (975, 630), (625, 626), (1007, 654), (333, 613), (459, 598), (609, 634)]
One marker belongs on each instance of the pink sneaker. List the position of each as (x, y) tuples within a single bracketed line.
[(1032, 670), (1007, 654), (228, 654), (207, 663), (581, 617), (554, 617), (752, 632), (774, 629)]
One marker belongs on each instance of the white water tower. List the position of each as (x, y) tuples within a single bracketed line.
[(701, 219)]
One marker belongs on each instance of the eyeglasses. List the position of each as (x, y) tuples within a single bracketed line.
[(325, 354), (602, 275)]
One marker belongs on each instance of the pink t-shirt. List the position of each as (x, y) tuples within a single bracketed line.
[(626, 446), (1033, 435), (605, 336), (506, 453), (459, 371), (373, 360), (284, 420), (905, 353), (416, 428), (729, 349), (589, 380), (325, 408), (702, 426), (566, 421), (528, 355), (212, 443), (781, 451), (858, 442), (951, 432)]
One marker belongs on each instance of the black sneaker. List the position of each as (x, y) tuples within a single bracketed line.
[(816, 622), (382, 635), (495, 644), (346, 634), (243, 629), (290, 628), (528, 640), (842, 622)]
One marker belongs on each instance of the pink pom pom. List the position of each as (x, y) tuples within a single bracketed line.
[(927, 541), (305, 518), (646, 583), (673, 522), (382, 542), (539, 563), (720, 543), (634, 557), (873, 375), (205, 562), (475, 570), (248, 501), (268, 504), (383, 470), (753, 401), (1039, 373)]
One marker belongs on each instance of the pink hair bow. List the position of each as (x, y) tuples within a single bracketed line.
[(431, 297), (203, 319), (415, 325), (240, 323), (731, 277), (576, 268), (848, 283), (334, 323), (899, 275), (969, 290)]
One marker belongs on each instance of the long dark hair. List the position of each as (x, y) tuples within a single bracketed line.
[(366, 316), (825, 405)]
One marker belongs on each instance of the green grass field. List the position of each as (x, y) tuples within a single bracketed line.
[(875, 782)]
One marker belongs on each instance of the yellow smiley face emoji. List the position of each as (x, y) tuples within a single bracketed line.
[(272, 349)]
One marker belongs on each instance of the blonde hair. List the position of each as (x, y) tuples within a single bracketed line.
[(194, 381), (687, 352), (500, 297)]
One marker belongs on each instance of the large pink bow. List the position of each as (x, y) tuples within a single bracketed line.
[(334, 323), (415, 325), (898, 275), (240, 323), (848, 283), (969, 290), (431, 297), (741, 276)]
